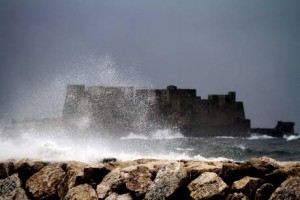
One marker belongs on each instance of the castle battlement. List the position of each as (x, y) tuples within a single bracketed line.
[(121, 109)]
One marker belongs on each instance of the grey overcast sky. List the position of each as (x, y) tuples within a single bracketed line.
[(215, 46)]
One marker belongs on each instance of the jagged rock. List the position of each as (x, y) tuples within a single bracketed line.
[(155, 165), (247, 185), (167, 181), (257, 167), (6, 169), (288, 190), (112, 196), (207, 185), (237, 196), (26, 168), (264, 192), (74, 170), (137, 179), (111, 182), (84, 192), (93, 175), (115, 196), (279, 175), (44, 184), (195, 168), (10, 188)]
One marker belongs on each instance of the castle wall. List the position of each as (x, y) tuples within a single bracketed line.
[(137, 109)]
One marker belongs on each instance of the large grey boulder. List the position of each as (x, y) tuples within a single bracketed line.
[(288, 190), (10, 188), (167, 181), (84, 192), (207, 185), (44, 184)]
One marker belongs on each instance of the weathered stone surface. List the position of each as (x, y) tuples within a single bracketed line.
[(207, 185), (44, 184), (6, 169), (247, 185), (111, 182), (74, 170), (26, 168), (288, 190), (115, 196), (195, 168), (237, 196), (10, 188), (137, 179), (279, 175), (264, 192), (167, 181), (84, 192), (93, 175)]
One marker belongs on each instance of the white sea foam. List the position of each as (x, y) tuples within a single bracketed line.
[(225, 137), (258, 137), (291, 137), (165, 134)]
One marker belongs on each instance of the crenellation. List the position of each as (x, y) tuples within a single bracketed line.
[(120, 109)]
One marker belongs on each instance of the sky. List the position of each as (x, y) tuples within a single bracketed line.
[(250, 46)]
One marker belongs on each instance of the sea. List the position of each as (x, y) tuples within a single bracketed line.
[(160, 144)]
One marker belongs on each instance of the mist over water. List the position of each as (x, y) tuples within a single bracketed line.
[(55, 142)]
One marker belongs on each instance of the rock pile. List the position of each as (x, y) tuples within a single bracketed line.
[(258, 179)]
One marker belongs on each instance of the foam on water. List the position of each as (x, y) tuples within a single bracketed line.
[(165, 134), (258, 137), (291, 137)]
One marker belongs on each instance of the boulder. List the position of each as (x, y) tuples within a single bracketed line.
[(110, 183), (195, 168), (237, 196), (137, 179), (288, 190), (44, 184), (248, 185), (27, 167), (167, 181), (281, 174), (79, 192), (10, 188), (6, 169), (74, 171), (93, 175), (264, 192), (207, 185)]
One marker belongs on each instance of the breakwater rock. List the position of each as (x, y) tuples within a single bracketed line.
[(260, 178)]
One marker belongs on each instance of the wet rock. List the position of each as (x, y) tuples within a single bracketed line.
[(264, 192), (207, 185), (167, 181), (110, 183), (79, 192), (247, 185), (10, 188), (115, 196), (137, 179), (288, 190), (237, 196), (26, 168), (44, 184)]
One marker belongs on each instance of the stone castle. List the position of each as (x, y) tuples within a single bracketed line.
[(130, 109)]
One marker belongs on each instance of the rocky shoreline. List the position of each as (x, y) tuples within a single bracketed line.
[(259, 178)]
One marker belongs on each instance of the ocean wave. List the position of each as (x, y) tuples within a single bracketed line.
[(225, 137), (259, 137), (185, 149), (165, 134), (291, 137)]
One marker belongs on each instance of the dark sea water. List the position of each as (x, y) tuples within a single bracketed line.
[(162, 144)]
